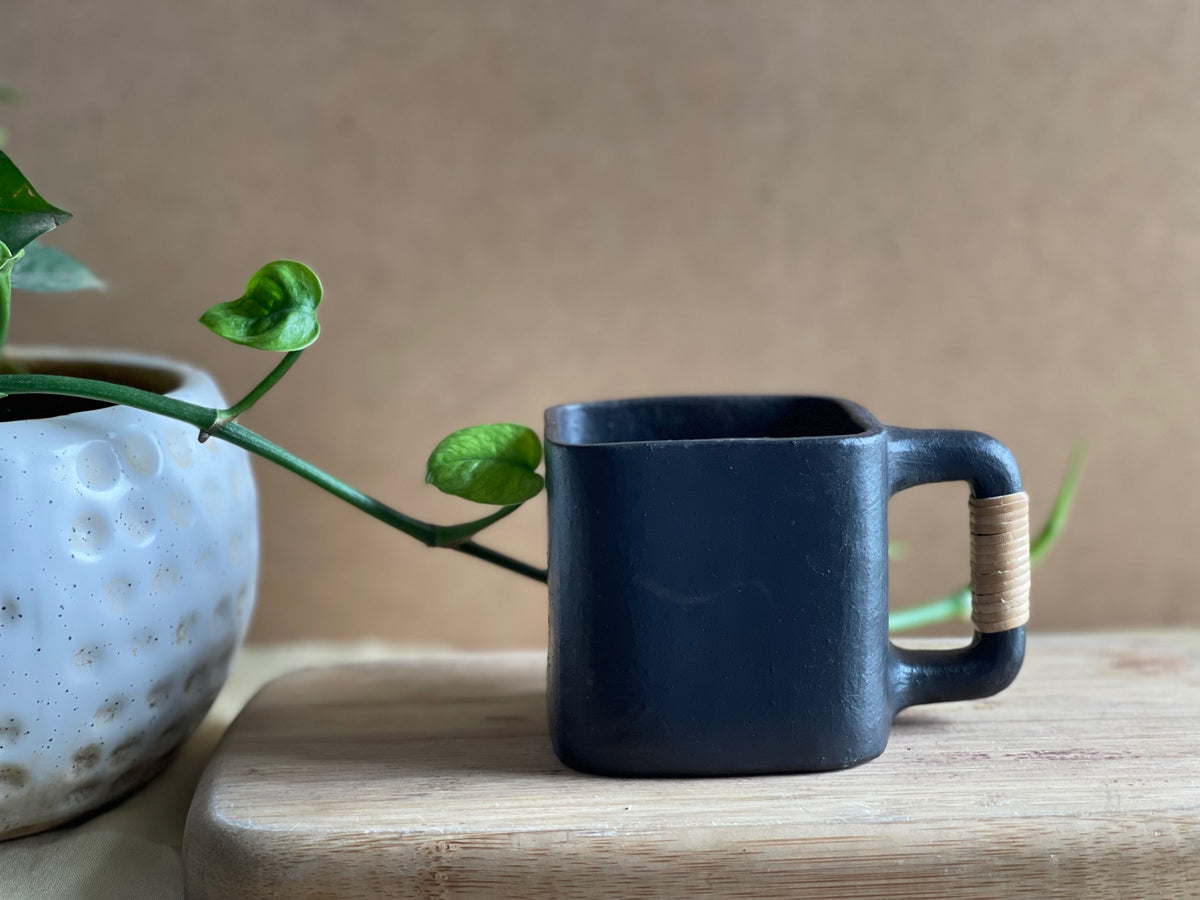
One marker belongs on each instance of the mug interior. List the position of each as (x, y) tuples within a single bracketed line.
[(705, 418)]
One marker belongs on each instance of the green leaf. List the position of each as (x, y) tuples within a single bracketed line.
[(278, 311), (488, 464), (24, 215), (47, 270)]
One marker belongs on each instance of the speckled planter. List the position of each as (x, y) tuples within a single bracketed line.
[(128, 559)]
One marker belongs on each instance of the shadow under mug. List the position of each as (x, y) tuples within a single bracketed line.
[(719, 582)]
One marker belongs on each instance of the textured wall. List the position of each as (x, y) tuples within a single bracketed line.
[(969, 214)]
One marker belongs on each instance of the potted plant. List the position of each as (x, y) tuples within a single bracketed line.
[(132, 545), (134, 548), (129, 563)]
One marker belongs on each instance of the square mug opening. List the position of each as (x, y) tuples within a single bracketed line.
[(705, 418)]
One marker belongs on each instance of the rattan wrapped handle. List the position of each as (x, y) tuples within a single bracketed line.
[(999, 562)]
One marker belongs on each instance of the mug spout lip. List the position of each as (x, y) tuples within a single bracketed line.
[(648, 420)]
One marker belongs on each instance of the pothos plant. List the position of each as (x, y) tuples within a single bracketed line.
[(489, 464)]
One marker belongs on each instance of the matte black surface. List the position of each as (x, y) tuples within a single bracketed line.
[(718, 583)]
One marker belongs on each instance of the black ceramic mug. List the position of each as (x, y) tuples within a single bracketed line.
[(719, 582)]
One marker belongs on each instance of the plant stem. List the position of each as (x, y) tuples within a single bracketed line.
[(5, 309), (208, 421), (7, 261), (5, 297), (1054, 526), (946, 609), (507, 562), (231, 414), (427, 534)]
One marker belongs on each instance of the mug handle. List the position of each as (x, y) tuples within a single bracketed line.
[(999, 565)]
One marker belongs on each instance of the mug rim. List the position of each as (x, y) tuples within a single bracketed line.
[(868, 426)]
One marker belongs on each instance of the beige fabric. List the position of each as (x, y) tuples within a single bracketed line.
[(133, 850)]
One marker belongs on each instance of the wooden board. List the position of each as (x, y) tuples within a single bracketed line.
[(432, 776)]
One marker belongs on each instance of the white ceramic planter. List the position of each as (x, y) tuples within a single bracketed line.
[(128, 560)]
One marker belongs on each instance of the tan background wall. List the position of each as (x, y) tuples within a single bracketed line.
[(980, 215)]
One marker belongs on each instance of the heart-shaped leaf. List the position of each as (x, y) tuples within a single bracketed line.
[(45, 269), (488, 464), (24, 215), (278, 311)]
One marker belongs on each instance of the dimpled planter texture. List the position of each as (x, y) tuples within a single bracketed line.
[(127, 572)]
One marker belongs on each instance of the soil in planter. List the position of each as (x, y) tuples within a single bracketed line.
[(22, 407)]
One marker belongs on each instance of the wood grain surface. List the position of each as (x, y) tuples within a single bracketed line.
[(433, 776)]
